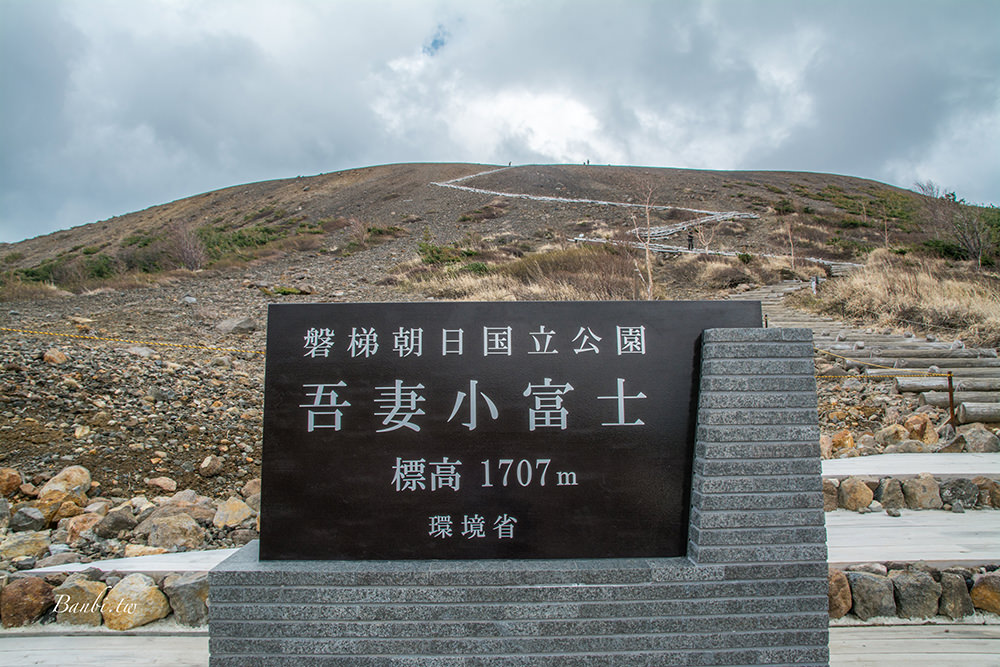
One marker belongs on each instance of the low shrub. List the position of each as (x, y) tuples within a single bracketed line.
[(911, 292)]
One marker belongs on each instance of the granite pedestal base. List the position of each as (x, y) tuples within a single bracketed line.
[(752, 589)]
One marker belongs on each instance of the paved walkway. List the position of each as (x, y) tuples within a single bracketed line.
[(188, 561), (886, 646), (934, 536), (104, 650), (910, 465), (916, 645)]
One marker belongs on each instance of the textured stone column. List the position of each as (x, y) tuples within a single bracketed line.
[(751, 591)]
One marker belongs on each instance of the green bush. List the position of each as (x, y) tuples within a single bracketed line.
[(219, 243), (477, 268), (138, 240), (784, 207), (945, 249), (270, 212), (100, 267), (431, 253)]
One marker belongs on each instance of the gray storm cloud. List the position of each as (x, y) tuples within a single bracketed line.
[(112, 106)]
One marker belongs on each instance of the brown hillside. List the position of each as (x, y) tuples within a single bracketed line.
[(834, 216)]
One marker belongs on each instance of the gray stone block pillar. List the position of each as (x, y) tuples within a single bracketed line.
[(751, 591)]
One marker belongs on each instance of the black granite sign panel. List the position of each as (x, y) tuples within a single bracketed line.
[(482, 430)]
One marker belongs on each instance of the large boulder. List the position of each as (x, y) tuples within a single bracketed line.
[(115, 521), (922, 493), (854, 494), (916, 593), (985, 593), (163, 483), (202, 514), (890, 494), (179, 531), (24, 601), (919, 427), (830, 494), (910, 446), (980, 441), (33, 544), (28, 519), (134, 601), (871, 595), (10, 481), (989, 491), (79, 599), (955, 600), (188, 594), (839, 593), (71, 480), (234, 511), (251, 488), (825, 447), (959, 489), (842, 440), (76, 525), (891, 435)]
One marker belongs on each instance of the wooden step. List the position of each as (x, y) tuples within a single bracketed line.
[(940, 399), (941, 384)]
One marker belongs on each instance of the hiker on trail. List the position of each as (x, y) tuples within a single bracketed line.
[(690, 240)]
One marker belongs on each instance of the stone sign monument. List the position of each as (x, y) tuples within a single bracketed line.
[(624, 483)]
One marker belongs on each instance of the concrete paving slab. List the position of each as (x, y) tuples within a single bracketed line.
[(104, 650), (937, 537), (185, 561), (916, 646), (910, 465)]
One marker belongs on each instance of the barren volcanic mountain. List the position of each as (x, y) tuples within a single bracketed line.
[(155, 377)]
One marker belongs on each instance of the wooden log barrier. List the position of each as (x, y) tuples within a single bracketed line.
[(978, 412)]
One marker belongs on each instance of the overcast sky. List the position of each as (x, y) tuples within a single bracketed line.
[(112, 106)]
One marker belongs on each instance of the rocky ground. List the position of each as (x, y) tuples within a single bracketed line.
[(164, 441), (147, 421)]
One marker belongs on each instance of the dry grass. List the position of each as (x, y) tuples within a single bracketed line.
[(14, 288), (723, 273), (892, 291), (577, 273), (609, 271)]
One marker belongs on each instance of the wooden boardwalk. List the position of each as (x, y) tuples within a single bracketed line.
[(885, 646), (915, 645)]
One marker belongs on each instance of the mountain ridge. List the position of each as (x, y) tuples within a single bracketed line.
[(843, 209)]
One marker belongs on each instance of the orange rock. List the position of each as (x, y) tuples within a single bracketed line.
[(842, 440), (986, 593), (77, 524), (839, 593), (73, 479), (10, 480), (55, 357), (920, 427), (66, 510), (164, 483), (24, 601), (854, 494), (134, 601)]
